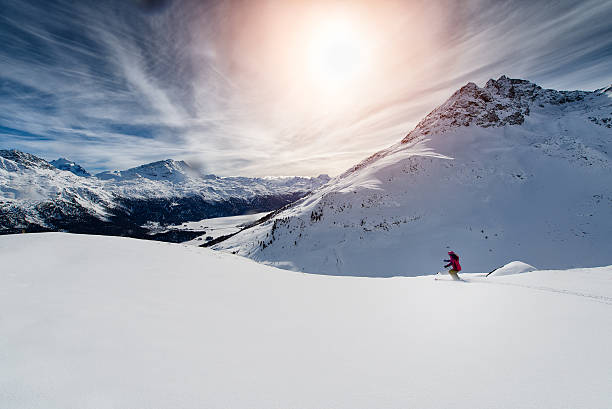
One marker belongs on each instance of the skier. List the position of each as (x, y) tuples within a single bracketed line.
[(454, 262)]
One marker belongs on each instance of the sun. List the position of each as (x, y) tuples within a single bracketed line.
[(336, 54)]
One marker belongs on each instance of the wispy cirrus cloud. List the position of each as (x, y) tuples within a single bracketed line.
[(118, 83)]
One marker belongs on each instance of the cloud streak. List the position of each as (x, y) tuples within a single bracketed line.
[(118, 83)]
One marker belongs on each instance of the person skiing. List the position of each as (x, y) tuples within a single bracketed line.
[(454, 262)]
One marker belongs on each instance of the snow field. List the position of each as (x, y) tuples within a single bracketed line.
[(107, 322), (218, 226)]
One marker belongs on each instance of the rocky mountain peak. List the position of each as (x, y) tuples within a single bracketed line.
[(164, 168), (70, 166), (13, 160), (501, 102), (167, 169)]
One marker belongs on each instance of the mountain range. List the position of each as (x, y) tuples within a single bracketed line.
[(36, 195), (508, 171)]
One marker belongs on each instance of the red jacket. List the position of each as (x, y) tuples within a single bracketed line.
[(454, 261)]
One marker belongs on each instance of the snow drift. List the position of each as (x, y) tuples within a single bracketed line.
[(514, 267)]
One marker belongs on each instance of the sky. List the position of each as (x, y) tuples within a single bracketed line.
[(256, 88)]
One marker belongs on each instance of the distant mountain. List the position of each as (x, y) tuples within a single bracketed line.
[(65, 164), (37, 196), (164, 170), (509, 171)]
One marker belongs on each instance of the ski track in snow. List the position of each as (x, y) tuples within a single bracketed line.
[(599, 298), (495, 281)]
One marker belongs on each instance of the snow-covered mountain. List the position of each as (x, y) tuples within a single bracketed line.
[(37, 196), (94, 322), (15, 161), (506, 171), (170, 178), (70, 166), (164, 170)]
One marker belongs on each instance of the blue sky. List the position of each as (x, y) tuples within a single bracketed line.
[(230, 86)]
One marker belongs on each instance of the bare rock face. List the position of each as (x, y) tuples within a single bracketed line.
[(505, 101)]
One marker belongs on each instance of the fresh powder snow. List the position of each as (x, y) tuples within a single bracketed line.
[(95, 322)]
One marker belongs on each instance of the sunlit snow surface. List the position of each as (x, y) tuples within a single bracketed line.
[(514, 267), (107, 322)]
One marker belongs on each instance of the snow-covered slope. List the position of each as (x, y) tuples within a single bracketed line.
[(70, 166), (510, 171), (13, 161), (34, 195), (95, 322)]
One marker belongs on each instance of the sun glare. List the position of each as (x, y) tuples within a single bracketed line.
[(336, 54)]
